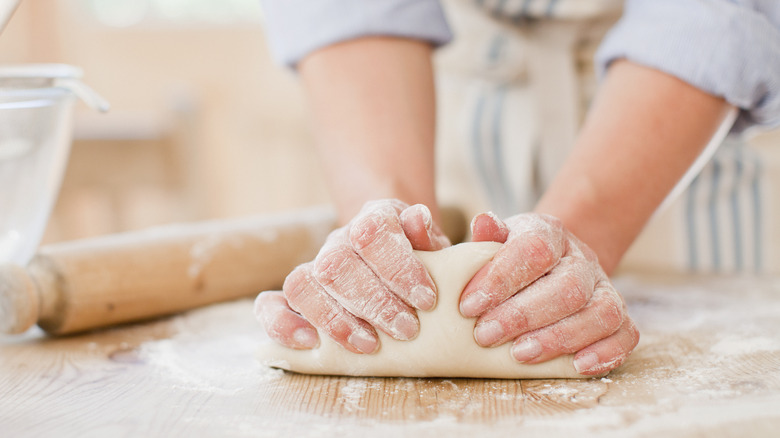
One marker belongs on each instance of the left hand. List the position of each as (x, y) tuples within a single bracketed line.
[(545, 290), (365, 279)]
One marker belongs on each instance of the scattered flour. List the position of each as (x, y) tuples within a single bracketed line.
[(201, 254), (212, 351), (557, 389), (351, 394), (735, 345)]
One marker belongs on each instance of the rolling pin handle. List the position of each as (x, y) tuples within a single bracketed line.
[(19, 300)]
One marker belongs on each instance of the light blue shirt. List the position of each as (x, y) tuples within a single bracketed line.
[(728, 48), (298, 27)]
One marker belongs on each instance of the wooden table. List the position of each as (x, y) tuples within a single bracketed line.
[(708, 365)]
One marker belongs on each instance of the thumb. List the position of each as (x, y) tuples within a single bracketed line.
[(487, 227), (419, 228)]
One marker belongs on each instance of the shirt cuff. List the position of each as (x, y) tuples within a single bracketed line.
[(723, 48), (296, 28)]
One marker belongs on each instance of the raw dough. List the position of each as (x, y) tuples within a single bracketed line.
[(445, 346)]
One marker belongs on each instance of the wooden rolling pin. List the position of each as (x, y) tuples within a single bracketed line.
[(92, 283)]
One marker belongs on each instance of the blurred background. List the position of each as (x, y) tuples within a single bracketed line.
[(203, 124)]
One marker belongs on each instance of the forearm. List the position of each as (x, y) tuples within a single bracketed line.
[(643, 132), (373, 107)]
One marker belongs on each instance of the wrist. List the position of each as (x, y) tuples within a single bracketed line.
[(583, 217), (373, 108), (635, 145), (351, 198)]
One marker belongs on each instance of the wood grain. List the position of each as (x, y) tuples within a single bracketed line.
[(708, 365)]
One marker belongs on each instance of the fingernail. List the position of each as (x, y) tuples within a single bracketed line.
[(423, 297), (404, 326), (586, 362), (474, 304), (474, 222), (527, 350), (427, 217), (488, 333), (492, 216), (363, 341), (306, 337)]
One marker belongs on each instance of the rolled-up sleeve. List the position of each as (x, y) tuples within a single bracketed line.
[(295, 28), (727, 48)]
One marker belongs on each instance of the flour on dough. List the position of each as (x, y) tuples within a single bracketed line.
[(445, 346)]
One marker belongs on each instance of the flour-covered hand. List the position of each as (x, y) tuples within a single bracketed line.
[(364, 278), (545, 290)]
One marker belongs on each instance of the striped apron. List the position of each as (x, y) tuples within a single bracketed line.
[(513, 90)]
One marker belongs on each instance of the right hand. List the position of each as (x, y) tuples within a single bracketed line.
[(365, 276)]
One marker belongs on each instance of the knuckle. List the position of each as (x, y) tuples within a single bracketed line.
[(332, 262), (611, 314), (538, 251), (297, 282), (589, 255), (577, 296), (332, 321), (501, 279), (364, 231), (549, 226), (398, 275), (381, 308), (513, 317), (368, 228), (561, 340), (373, 311), (574, 293), (555, 224), (506, 275)]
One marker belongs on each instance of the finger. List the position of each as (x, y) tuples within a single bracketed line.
[(308, 298), (487, 227), (282, 324), (534, 246), (547, 300), (422, 232), (600, 318), (378, 238), (577, 248), (608, 353), (347, 278)]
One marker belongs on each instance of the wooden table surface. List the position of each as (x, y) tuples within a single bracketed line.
[(708, 365)]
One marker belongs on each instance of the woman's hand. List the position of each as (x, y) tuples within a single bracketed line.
[(364, 278), (546, 291)]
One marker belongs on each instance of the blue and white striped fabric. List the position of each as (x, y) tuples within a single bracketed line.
[(519, 10), (488, 151), (723, 213)]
